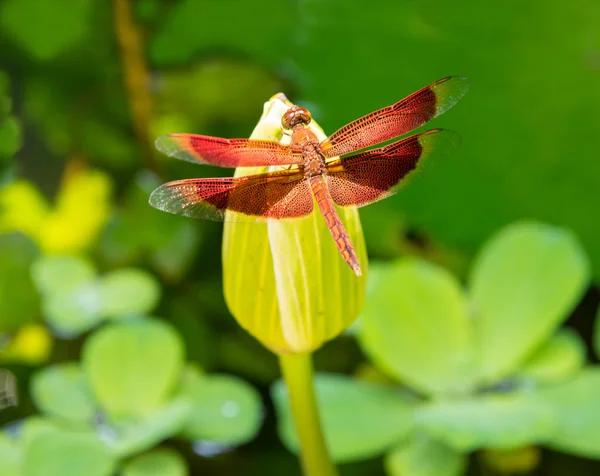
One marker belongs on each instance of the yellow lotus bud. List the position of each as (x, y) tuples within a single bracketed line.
[(285, 281)]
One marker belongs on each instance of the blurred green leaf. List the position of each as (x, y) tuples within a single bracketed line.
[(360, 419), (487, 421), (11, 138), (19, 302), (62, 452), (72, 312), (128, 291), (561, 356), (161, 462), (5, 99), (524, 283), (45, 106), (415, 325), (133, 366), (36, 425), (54, 274), (179, 39), (217, 90), (10, 457), (421, 456), (34, 25), (108, 143), (225, 409), (62, 391), (140, 435), (139, 232), (575, 406)]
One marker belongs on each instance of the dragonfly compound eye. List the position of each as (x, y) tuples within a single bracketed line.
[(295, 115)]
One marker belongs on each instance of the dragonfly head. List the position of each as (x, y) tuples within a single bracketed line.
[(295, 115)]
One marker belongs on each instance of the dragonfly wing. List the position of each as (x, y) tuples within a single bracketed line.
[(397, 119), (370, 176), (227, 152), (274, 195)]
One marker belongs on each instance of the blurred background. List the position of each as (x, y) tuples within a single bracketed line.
[(87, 85)]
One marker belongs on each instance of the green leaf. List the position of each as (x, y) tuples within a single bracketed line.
[(415, 326), (11, 138), (360, 419), (161, 462), (140, 435), (179, 39), (128, 291), (560, 357), (36, 27), (524, 283), (487, 421), (62, 452), (54, 274), (19, 302), (11, 459), (132, 367), (224, 409), (421, 456), (140, 232), (62, 391), (575, 406), (74, 311)]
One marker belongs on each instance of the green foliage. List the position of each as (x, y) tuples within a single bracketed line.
[(62, 391), (224, 409), (162, 462), (75, 300), (144, 396), (360, 419), (43, 35), (139, 232), (134, 436), (423, 456), (558, 358), (45, 451), (430, 348), (179, 37), (421, 328), (522, 285), (487, 421), (10, 456), (574, 404), (129, 378), (11, 136), (19, 302)]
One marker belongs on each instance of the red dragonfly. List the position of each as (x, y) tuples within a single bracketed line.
[(317, 171)]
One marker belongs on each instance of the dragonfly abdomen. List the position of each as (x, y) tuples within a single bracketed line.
[(334, 222)]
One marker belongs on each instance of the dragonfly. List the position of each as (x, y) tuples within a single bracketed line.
[(337, 171)]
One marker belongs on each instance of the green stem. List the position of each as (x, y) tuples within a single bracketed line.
[(297, 372)]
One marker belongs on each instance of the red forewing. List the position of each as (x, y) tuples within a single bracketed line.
[(397, 119), (275, 195), (370, 176), (227, 152)]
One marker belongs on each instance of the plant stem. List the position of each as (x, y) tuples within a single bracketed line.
[(135, 75), (297, 372)]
